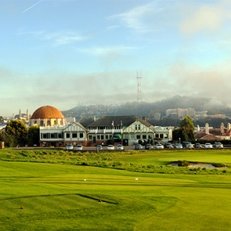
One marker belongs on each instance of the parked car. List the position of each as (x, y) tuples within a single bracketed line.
[(198, 145), (69, 147), (208, 145), (99, 147), (169, 146), (159, 146), (110, 147), (218, 145), (178, 146), (139, 147), (188, 145), (119, 147), (78, 147), (148, 146)]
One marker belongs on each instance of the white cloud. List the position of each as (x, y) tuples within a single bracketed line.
[(138, 18), (108, 51), (57, 38)]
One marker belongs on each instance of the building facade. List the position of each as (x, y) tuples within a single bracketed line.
[(127, 130)]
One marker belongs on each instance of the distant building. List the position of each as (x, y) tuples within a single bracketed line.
[(208, 133), (201, 114), (180, 113), (23, 116)]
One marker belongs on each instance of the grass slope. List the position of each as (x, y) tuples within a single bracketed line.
[(66, 196)]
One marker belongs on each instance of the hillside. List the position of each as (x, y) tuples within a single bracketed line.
[(148, 109)]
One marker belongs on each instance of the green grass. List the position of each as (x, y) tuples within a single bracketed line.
[(52, 190)]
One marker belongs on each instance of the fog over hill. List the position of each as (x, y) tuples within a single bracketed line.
[(148, 109)]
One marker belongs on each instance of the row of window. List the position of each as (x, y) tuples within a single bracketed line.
[(100, 137), (80, 135), (48, 122), (69, 135), (161, 136)]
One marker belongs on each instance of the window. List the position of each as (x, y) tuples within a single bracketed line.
[(102, 137), (67, 135), (53, 135), (144, 137), (137, 137), (137, 127), (44, 136), (74, 135), (90, 137), (98, 137), (81, 135)]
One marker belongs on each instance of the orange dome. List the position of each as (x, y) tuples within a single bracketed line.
[(47, 112)]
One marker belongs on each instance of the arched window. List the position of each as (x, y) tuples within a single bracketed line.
[(48, 122)]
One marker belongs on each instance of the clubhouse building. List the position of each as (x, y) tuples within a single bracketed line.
[(56, 131)]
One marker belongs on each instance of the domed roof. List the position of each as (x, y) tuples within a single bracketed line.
[(47, 112)]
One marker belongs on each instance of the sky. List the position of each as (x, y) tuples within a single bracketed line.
[(66, 53)]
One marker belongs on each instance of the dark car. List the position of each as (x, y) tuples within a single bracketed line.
[(148, 146), (169, 146), (198, 145)]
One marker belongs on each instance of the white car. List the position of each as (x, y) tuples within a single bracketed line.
[(110, 147), (178, 146), (120, 147), (69, 147), (79, 147), (208, 145), (159, 146), (218, 145)]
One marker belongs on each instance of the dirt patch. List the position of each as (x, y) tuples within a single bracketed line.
[(191, 164)]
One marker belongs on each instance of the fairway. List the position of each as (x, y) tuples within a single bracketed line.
[(37, 195)]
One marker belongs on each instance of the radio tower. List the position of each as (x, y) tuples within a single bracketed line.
[(139, 93)]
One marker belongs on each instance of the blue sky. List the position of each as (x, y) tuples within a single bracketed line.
[(74, 52)]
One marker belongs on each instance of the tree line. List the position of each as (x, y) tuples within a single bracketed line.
[(17, 133)]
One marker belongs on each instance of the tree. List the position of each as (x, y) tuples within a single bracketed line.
[(187, 129), (33, 136), (15, 133)]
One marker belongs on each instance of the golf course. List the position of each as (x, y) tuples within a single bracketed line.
[(51, 189)]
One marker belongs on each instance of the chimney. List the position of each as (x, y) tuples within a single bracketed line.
[(207, 128), (222, 128), (228, 126)]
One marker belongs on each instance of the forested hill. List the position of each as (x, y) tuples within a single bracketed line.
[(148, 109)]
